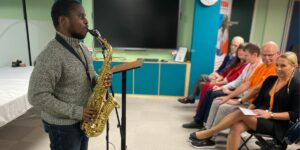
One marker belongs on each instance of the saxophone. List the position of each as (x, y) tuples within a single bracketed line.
[(101, 100)]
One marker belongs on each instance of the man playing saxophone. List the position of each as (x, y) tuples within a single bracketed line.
[(63, 79)]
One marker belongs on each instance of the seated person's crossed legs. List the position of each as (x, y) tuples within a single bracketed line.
[(202, 112), (203, 138), (217, 112)]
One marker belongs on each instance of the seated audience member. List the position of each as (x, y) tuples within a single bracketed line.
[(229, 58), (276, 105), (230, 74), (252, 52), (220, 109)]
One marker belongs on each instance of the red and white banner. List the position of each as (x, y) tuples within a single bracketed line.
[(223, 33)]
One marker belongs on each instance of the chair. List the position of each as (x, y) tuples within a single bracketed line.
[(292, 136), (264, 142)]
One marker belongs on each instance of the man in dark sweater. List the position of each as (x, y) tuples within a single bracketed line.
[(63, 78)]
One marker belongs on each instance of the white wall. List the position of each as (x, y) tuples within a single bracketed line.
[(13, 44), (41, 32), (13, 40)]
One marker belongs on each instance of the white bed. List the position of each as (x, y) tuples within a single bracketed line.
[(13, 92)]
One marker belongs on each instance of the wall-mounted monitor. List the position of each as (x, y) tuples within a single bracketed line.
[(137, 24)]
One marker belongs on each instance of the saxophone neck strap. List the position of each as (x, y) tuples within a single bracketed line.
[(72, 51)]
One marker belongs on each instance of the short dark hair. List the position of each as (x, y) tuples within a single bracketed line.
[(242, 46), (62, 8), (237, 60), (252, 48)]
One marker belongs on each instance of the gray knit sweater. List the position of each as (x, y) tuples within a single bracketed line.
[(59, 86)]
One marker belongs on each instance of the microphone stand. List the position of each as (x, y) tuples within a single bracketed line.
[(117, 113), (95, 33)]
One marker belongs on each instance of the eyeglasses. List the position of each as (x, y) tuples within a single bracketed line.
[(268, 55), (234, 45)]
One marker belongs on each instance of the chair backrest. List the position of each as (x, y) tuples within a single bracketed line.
[(297, 73), (293, 134), (296, 49)]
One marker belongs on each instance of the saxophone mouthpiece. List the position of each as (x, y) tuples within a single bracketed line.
[(94, 32)]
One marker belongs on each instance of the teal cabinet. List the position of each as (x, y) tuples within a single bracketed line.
[(97, 66), (165, 79), (146, 79), (172, 77)]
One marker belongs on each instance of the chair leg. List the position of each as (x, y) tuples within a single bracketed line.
[(284, 146), (245, 142), (263, 142)]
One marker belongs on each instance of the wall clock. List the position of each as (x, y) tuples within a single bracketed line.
[(208, 2)]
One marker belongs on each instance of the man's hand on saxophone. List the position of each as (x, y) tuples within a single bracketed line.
[(88, 114)]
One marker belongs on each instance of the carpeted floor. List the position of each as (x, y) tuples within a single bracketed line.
[(152, 124)]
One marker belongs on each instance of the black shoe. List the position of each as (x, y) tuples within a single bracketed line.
[(205, 143), (192, 125), (186, 100), (193, 137)]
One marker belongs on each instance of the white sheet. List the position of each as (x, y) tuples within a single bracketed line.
[(13, 92)]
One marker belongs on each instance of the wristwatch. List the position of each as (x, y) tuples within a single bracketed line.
[(272, 115), (240, 100)]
